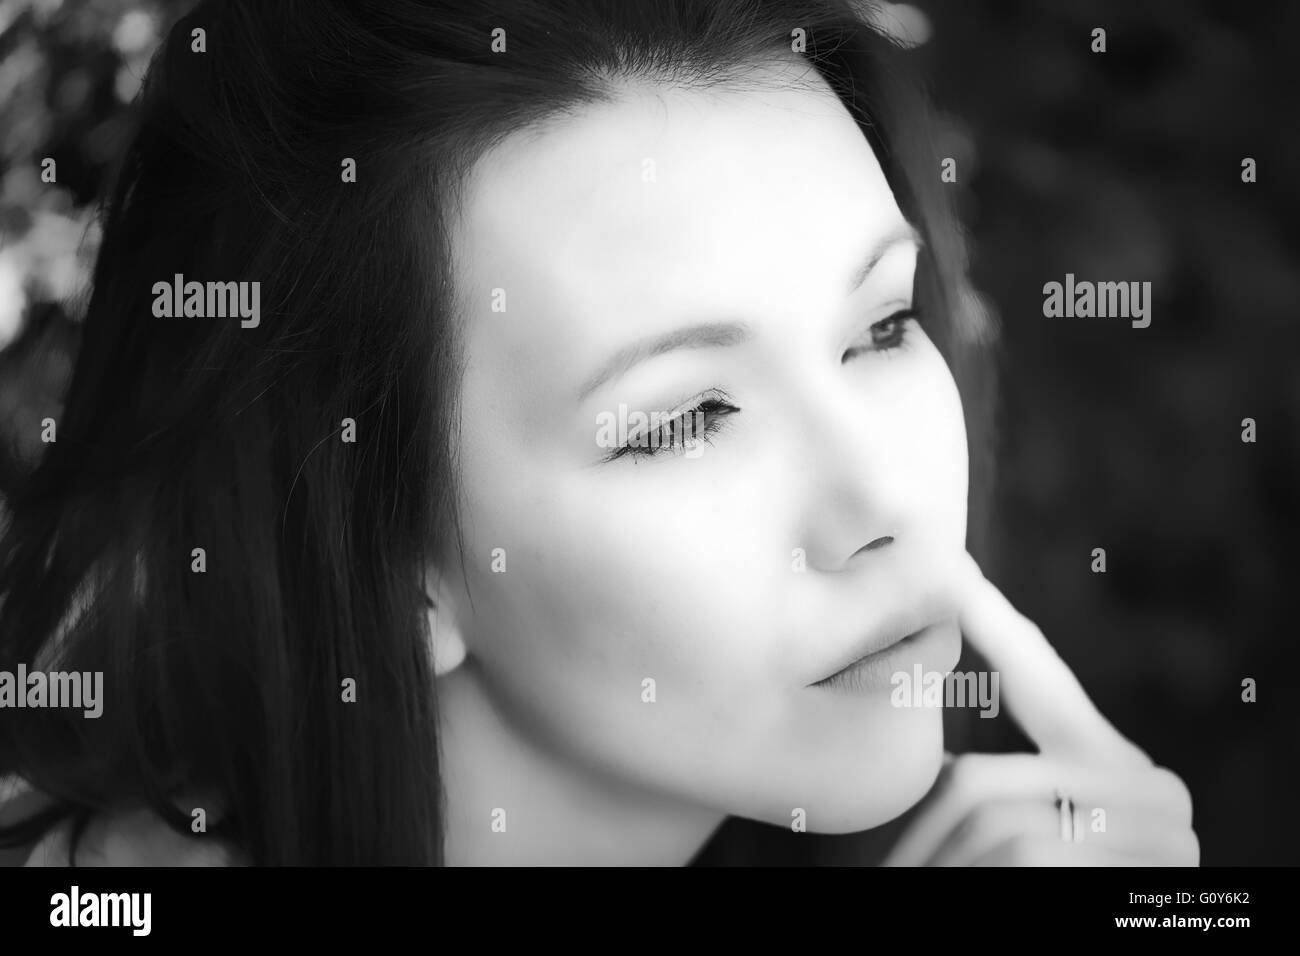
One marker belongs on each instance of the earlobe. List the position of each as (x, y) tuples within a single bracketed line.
[(448, 645)]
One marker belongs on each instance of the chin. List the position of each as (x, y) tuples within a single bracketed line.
[(861, 793)]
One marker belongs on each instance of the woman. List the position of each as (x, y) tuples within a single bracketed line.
[(569, 464)]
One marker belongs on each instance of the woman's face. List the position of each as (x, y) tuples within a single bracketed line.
[(685, 250)]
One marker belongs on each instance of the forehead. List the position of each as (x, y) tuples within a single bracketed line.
[(665, 204)]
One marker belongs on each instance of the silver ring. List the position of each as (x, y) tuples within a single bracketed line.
[(1069, 822)]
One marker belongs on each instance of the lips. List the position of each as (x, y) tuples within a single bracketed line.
[(890, 631)]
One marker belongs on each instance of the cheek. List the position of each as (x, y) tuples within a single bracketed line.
[(610, 580), (600, 597), (936, 433)]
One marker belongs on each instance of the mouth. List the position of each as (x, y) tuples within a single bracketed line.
[(874, 670), (899, 642), (892, 630)]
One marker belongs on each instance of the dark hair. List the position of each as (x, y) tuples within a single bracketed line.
[(203, 434)]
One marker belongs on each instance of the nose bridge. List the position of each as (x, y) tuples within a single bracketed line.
[(854, 495)]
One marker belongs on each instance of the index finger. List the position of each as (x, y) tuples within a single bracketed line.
[(1040, 690)]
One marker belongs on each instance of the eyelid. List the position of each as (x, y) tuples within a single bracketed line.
[(898, 306), (714, 394), (898, 309)]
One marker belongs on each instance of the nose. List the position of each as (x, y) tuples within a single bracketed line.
[(860, 490), (874, 545)]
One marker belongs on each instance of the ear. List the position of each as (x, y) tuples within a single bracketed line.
[(449, 649)]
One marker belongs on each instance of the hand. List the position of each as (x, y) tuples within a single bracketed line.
[(1001, 809)]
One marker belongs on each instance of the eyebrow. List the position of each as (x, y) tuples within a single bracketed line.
[(902, 233), (722, 334)]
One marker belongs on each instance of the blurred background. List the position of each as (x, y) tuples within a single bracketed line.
[(1125, 166)]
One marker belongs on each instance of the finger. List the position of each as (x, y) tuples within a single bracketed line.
[(1133, 831), (974, 779), (1041, 692)]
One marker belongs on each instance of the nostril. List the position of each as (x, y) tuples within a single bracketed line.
[(879, 543)]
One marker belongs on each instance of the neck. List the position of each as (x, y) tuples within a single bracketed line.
[(556, 811)]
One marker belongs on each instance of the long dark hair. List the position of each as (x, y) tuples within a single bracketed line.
[(185, 433)]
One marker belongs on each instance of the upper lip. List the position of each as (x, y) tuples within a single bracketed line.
[(889, 631)]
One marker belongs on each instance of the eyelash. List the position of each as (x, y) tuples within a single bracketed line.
[(712, 408), (715, 408)]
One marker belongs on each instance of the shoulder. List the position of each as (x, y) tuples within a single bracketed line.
[(128, 838)]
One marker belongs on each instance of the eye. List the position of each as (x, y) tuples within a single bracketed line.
[(675, 434), (888, 334)]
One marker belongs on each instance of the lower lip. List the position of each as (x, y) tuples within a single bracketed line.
[(935, 648)]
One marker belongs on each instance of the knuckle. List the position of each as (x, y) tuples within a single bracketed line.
[(1038, 634), (1029, 626)]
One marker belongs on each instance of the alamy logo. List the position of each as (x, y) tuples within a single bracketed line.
[(653, 431), (1126, 300), (946, 689), (102, 909), (74, 689), (208, 300)]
